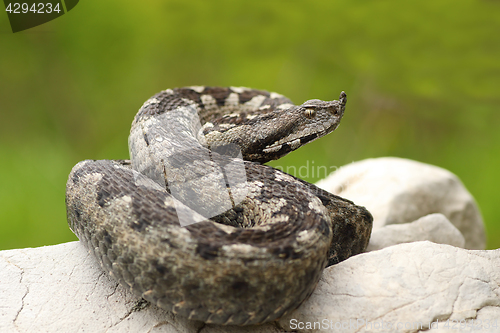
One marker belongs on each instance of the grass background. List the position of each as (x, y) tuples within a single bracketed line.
[(422, 78)]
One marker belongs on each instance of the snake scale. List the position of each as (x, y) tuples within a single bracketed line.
[(196, 224)]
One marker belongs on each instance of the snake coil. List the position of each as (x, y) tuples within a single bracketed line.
[(195, 224)]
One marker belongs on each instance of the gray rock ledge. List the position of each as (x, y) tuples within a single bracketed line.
[(61, 288)]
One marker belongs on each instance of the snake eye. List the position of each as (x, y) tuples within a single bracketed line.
[(310, 113)]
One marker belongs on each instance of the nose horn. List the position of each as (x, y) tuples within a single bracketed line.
[(343, 98)]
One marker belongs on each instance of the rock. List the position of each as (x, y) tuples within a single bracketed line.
[(403, 285), (61, 288), (433, 227), (399, 191)]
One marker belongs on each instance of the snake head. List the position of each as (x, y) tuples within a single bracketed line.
[(302, 124), (272, 132)]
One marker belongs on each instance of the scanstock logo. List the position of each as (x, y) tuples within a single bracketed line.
[(28, 14)]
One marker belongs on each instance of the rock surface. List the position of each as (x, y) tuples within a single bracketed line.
[(61, 288), (397, 190), (433, 227), (417, 282), (408, 287)]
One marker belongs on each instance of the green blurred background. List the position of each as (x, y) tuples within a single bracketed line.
[(422, 78)]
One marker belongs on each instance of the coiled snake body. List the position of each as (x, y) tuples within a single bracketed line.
[(269, 235)]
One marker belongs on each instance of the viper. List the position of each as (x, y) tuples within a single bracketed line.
[(196, 224)]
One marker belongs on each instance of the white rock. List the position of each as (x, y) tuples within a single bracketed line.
[(61, 288), (433, 227), (417, 282), (398, 191)]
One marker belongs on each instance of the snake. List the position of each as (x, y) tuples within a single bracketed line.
[(195, 222)]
